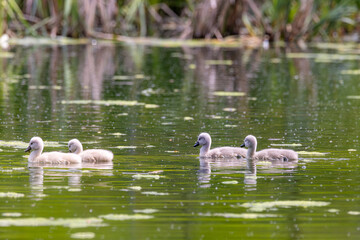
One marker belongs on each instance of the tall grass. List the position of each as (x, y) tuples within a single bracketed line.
[(289, 20)]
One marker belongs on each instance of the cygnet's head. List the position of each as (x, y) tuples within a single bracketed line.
[(74, 146), (203, 139), (249, 142), (35, 143)]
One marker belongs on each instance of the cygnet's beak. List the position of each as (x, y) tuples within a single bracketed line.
[(197, 144), (242, 145), (28, 149)]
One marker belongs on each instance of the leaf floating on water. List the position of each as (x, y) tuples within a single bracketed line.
[(353, 213), (156, 172), (6, 55), (125, 147), (150, 91), (74, 189), (11, 195), (351, 72), (263, 206), (230, 126), (264, 163), (229, 94), (103, 102), (216, 117), (12, 214), (123, 217), (323, 56), (146, 211), (229, 109), (286, 144), (146, 176), (230, 182), (192, 66), (136, 188), (323, 60), (83, 235), (219, 62), (333, 210), (155, 193), (311, 153), (139, 76), (42, 87), (65, 222), (188, 118), (353, 97), (244, 215), (275, 60), (151, 106), (122, 77), (117, 134), (14, 144)]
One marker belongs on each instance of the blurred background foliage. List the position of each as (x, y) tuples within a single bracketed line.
[(288, 20)]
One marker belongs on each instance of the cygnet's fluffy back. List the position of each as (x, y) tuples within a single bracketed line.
[(91, 155)]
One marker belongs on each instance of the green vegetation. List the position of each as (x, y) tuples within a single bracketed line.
[(289, 20)]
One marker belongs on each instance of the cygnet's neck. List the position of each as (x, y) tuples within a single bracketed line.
[(204, 149), (34, 154), (251, 151), (79, 148)]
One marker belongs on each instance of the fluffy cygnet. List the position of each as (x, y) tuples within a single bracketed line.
[(36, 147), (267, 154), (204, 140), (91, 155)]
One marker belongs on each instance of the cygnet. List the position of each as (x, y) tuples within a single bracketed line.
[(267, 154), (91, 155), (36, 147), (204, 140)]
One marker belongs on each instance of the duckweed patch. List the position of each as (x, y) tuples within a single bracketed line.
[(146, 176), (230, 182), (245, 215), (286, 144), (155, 193), (124, 217), (264, 206), (311, 153), (11, 195), (65, 222), (83, 235), (229, 94)]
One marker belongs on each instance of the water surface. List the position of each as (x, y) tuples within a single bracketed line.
[(147, 105)]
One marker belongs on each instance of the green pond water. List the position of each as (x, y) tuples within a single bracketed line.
[(148, 105)]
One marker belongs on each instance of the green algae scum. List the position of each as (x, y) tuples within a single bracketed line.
[(148, 104)]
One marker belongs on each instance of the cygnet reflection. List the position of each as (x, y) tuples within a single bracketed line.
[(248, 168), (41, 173)]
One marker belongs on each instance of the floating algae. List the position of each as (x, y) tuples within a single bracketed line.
[(262, 206), (229, 94)]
